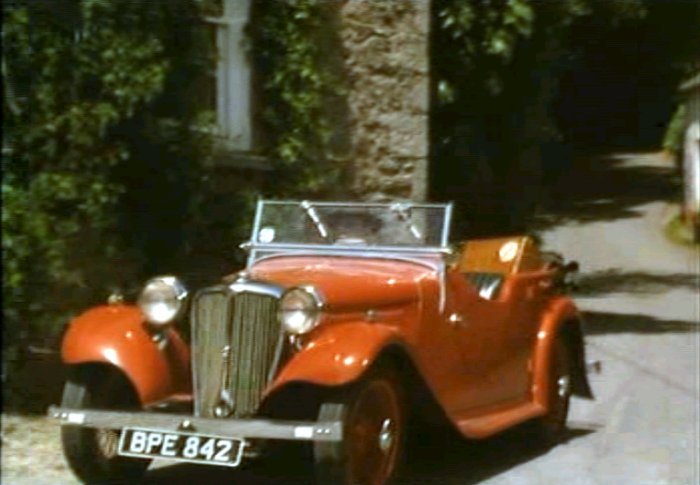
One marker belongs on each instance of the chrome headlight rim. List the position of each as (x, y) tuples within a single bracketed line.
[(162, 300), (311, 311)]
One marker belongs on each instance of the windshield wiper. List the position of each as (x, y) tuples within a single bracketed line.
[(403, 212), (313, 215)]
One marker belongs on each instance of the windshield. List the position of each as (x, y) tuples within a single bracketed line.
[(350, 225)]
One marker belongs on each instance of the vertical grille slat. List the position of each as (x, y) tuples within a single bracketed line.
[(247, 323), (211, 308)]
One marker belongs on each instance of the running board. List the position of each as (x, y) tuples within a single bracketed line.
[(488, 424)]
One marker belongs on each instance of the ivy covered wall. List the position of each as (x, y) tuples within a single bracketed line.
[(102, 151), (345, 94)]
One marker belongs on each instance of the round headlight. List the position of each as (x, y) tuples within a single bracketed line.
[(300, 309), (162, 299)]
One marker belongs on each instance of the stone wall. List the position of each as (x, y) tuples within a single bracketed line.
[(384, 47)]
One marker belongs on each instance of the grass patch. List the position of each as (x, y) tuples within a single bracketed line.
[(677, 231)]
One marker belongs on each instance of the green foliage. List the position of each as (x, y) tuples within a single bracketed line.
[(673, 138), (488, 40), (90, 88), (496, 66), (295, 87), (482, 30)]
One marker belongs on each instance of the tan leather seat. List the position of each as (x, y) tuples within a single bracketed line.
[(486, 262), (503, 255)]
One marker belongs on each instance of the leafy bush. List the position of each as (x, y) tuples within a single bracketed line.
[(673, 138), (93, 111), (497, 67), (296, 85)]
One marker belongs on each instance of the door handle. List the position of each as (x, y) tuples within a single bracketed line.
[(457, 319)]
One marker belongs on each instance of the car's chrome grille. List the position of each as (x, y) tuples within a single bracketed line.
[(236, 342), (209, 332)]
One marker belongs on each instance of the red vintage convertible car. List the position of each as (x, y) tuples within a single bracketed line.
[(349, 320)]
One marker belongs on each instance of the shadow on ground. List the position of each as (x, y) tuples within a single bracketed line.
[(606, 187), (442, 458), (617, 281), (600, 323), (36, 383), (460, 462)]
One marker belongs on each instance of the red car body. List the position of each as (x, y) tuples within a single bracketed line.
[(486, 333)]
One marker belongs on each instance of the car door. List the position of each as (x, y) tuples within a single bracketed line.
[(525, 299), (481, 332)]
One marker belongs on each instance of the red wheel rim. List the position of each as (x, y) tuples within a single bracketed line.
[(374, 428)]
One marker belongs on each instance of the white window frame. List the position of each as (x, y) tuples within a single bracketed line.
[(233, 77)]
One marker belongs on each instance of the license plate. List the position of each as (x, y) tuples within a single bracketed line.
[(181, 446)]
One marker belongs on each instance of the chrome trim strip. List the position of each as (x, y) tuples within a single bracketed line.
[(234, 428), (442, 282), (446, 227), (256, 287), (256, 226), (420, 205), (420, 262), (256, 221), (351, 248)]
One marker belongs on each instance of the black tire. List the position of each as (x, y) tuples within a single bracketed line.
[(551, 428), (90, 452), (374, 428)]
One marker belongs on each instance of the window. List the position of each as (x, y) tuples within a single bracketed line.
[(232, 83)]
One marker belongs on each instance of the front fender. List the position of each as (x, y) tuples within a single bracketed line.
[(337, 354), (118, 335), (560, 318)]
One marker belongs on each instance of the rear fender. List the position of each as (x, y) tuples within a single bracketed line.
[(118, 335), (337, 355), (560, 318)]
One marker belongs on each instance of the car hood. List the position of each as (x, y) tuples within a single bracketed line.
[(349, 282)]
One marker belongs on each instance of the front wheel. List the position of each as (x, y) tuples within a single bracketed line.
[(90, 452), (373, 419)]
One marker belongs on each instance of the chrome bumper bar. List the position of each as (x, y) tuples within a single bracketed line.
[(233, 428)]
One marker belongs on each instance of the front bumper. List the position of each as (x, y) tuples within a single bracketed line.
[(233, 428)]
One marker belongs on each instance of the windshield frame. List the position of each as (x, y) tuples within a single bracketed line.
[(258, 250)]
